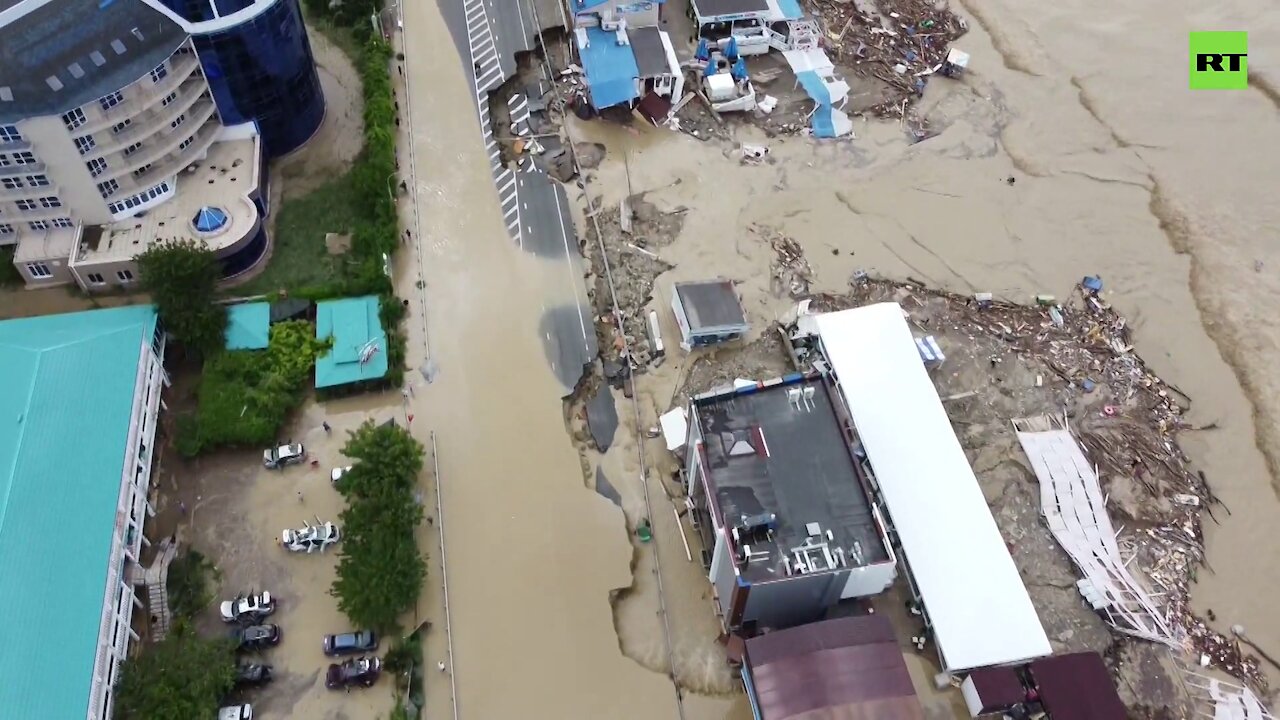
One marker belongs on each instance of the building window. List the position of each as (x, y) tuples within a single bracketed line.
[(51, 202), (63, 222), (39, 271), (108, 188), (109, 101), (95, 279), (85, 143), (125, 275), (142, 170), (4, 160), (6, 229), (74, 119), (121, 125), (96, 166), (38, 180), (24, 158), (159, 73), (186, 143), (9, 133), (132, 149), (26, 204), (169, 98), (178, 121), (11, 183), (38, 225)]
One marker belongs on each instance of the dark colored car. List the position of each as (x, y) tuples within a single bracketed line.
[(361, 672), (256, 637), (250, 674), (360, 641)]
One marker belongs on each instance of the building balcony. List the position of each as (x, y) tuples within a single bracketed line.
[(145, 125), (140, 96), (8, 195), (198, 113), (35, 168), (15, 146)]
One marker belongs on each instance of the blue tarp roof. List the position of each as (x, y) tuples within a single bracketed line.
[(611, 69), (248, 326), (814, 86), (356, 330), (790, 9), (822, 123)]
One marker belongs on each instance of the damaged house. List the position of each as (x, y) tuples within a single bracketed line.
[(787, 524), (625, 57)]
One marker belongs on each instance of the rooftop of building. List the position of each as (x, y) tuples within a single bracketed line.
[(711, 305), (610, 67), (224, 181), (59, 55), (651, 54), (248, 326), (60, 477), (849, 667), (359, 349), (778, 449)]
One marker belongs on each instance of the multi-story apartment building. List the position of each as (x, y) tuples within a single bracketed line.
[(123, 122)]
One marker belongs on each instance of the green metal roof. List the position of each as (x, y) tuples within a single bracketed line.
[(68, 386), (356, 331), (248, 326)]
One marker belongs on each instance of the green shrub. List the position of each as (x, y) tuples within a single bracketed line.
[(182, 677), (246, 395), (188, 586)]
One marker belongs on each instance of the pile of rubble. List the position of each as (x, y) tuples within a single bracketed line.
[(790, 272), (1126, 418), (900, 42)]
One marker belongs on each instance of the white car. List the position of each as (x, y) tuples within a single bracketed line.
[(310, 538), (278, 457), (236, 712), (336, 474), (248, 607)]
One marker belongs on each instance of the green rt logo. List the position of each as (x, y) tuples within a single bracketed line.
[(1219, 60)]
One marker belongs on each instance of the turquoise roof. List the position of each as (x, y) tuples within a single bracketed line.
[(68, 386), (353, 325), (248, 326)]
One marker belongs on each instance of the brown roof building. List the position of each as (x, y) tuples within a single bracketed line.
[(844, 669)]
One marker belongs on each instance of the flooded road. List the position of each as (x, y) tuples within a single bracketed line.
[(532, 554)]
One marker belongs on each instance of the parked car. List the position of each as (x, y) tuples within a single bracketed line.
[(283, 455), (362, 671), (256, 637), (236, 712), (336, 474), (251, 607), (350, 643), (253, 674), (310, 538)]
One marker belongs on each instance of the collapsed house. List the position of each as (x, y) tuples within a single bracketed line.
[(961, 576), (786, 520)]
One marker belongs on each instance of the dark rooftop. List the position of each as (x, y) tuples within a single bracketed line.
[(69, 52), (713, 8), (711, 305), (651, 56), (846, 668), (1077, 687), (779, 450)]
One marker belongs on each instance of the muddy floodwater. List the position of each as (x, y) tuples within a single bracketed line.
[(1073, 147)]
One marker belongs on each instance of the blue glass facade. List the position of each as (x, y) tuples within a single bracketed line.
[(261, 70)]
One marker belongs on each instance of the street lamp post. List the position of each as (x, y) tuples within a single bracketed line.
[(391, 194)]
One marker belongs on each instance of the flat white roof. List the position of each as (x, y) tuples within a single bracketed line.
[(978, 606)]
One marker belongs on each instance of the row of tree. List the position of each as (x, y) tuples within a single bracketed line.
[(381, 569)]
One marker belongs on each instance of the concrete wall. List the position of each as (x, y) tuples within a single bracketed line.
[(60, 268), (78, 190), (795, 600)]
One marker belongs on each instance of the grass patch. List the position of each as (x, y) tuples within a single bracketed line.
[(299, 258)]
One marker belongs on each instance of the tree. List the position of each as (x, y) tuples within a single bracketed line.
[(182, 677), (188, 584), (381, 569), (182, 278)]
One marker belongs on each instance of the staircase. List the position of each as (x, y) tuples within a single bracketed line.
[(156, 579)]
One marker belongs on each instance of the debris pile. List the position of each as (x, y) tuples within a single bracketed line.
[(901, 43), (1081, 359), (790, 271)]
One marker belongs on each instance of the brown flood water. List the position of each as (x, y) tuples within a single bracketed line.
[(1120, 171)]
